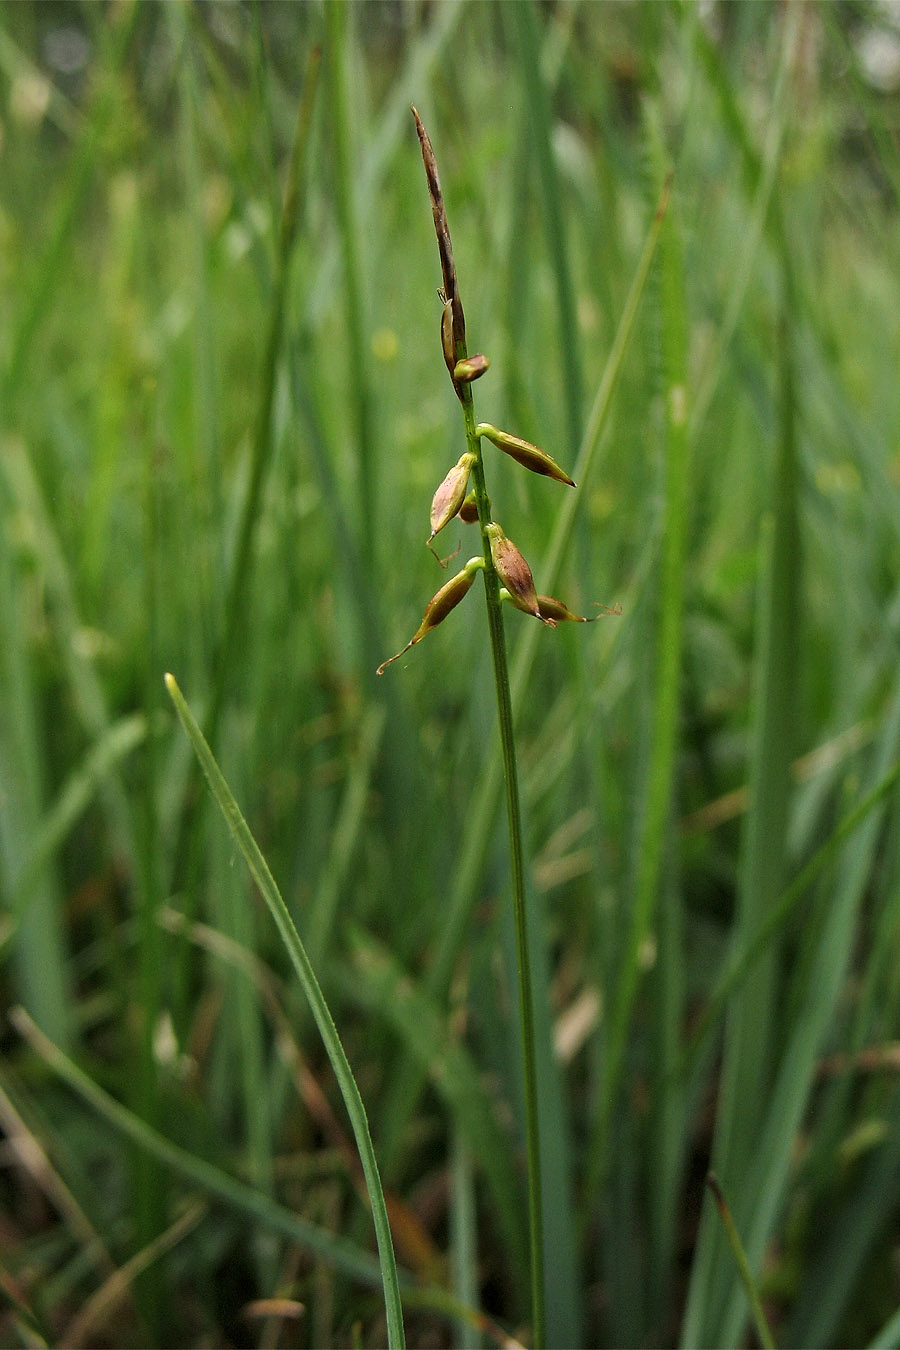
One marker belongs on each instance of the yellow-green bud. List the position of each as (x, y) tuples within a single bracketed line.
[(523, 452), (471, 368), (450, 495), (439, 606), (513, 571)]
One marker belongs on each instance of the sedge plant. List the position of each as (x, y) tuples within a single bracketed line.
[(507, 579)]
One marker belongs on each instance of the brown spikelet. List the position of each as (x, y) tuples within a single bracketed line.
[(439, 606), (450, 495), (442, 230), (524, 453), (513, 571)]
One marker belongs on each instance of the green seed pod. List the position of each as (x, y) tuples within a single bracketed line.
[(523, 452), (469, 510), (439, 606), (450, 495), (513, 571), (472, 368)]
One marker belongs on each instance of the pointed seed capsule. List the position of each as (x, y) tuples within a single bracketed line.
[(513, 571), (553, 611), (471, 368), (523, 452), (551, 608), (450, 495), (439, 606)]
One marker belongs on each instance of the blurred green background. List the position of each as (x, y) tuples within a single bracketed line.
[(218, 447)]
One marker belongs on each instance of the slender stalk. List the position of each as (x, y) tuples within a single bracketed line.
[(507, 737), (517, 866)]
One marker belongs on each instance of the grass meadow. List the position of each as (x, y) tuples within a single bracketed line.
[(224, 411)]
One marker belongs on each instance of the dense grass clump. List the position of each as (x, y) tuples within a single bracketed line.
[(224, 412)]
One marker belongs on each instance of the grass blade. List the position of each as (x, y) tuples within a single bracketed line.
[(344, 1255), (297, 952), (525, 27), (743, 1265), (380, 983), (748, 1063)]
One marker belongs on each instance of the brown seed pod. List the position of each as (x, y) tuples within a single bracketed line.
[(439, 606), (551, 608), (553, 611), (513, 571), (468, 512), (450, 495), (524, 453)]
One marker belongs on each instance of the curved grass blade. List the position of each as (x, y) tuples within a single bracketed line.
[(346, 1256), (380, 984), (297, 952)]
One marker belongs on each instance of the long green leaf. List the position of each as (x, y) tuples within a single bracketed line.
[(297, 952)]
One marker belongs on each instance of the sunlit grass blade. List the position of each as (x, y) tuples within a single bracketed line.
[(300, 961)]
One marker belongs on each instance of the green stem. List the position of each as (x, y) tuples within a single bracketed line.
[(523, 963), (454, 346)]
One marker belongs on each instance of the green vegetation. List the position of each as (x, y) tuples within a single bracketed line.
[(224, 412)]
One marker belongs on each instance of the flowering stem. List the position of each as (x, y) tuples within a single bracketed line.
[(523, 963), (453, 340)]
